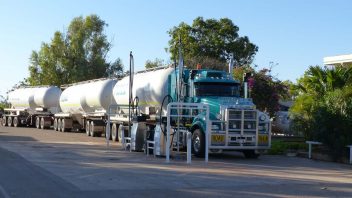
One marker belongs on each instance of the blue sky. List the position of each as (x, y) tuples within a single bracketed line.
[(294, 34)]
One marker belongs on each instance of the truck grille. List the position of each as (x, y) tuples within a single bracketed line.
[(242, 121)]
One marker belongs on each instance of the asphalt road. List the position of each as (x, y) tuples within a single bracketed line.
[(44, 163)]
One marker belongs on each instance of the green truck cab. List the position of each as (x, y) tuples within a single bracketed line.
[(235, 122)]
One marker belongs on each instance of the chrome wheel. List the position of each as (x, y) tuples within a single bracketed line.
[(88, 128)]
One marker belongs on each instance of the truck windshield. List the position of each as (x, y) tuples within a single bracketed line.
[(217, 89)]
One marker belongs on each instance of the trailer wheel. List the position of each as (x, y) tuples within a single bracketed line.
[(198, 143), (63, 129), (55, 124), (4, 121), (9, 121), (37, 122), (42, 123), (120, 130), (15, 122), (91, 129), (250, 154), (114, 132), (88, 128), (59, 125)]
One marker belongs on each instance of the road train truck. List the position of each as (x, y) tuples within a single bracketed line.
[(32, 106), (235, 122), (84, 105)]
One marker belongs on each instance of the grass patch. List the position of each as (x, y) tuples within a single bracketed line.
[(279, 147)]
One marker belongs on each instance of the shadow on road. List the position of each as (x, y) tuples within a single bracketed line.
[(9, 138)]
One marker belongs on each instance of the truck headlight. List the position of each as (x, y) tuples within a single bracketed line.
[(262, 117), (218, 116), (215, 127)]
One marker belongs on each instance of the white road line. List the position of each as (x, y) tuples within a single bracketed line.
[(3, 192)]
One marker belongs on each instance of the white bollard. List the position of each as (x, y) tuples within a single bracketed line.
[(189, 147), (107, 134), (168, 142), (123, 137)]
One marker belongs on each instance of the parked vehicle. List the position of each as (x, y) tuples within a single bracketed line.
[(236, 124), (32, 106)]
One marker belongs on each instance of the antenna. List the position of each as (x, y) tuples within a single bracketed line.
[(180, 71)]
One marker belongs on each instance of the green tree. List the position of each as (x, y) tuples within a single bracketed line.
[(211, 42), (323, 108), (263, 87), (3, 103), (75, 55), (152, 64)]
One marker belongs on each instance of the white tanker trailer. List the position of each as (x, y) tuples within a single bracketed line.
[(84, 106), (32, 106)]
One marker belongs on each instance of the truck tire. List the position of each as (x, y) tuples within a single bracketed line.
[(63, 129), (4, 121), (114, 133), (37, 122), (42, 123), (59, 124), (91, 129), (55, 124), (88, 128), (15, 122), (120, 130), (9, 121), (198, 143), (250, 154)]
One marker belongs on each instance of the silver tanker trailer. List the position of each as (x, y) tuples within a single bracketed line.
[(32, 106), (84, 106)]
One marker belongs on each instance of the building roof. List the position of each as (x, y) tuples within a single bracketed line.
[(338, 60)]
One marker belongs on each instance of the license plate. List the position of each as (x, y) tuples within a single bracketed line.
[(263, 139), (217, 139)]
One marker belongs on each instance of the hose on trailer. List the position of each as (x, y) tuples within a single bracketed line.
[(161, 111)]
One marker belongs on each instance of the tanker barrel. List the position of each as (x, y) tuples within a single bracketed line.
[(150, 86), (44, 97), (91, 96)]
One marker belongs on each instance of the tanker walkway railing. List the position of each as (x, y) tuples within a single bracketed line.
[(177, 111)]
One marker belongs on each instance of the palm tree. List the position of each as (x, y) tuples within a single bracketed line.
[(317, 80)]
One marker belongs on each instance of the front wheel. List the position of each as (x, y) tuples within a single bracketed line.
[(198, 143)]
